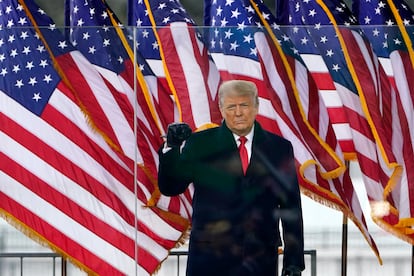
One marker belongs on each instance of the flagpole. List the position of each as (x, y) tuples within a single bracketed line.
[(344, 245), (344, 255), (412, 260)]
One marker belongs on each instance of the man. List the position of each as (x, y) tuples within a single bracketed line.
[(236, 214)]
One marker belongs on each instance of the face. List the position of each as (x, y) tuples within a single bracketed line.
[(239, 112)]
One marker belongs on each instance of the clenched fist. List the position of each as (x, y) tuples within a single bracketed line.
[(177, 133)]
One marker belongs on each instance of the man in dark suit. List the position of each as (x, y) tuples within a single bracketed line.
[(236, 214)]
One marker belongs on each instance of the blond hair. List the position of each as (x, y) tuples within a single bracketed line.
[(238, 88)]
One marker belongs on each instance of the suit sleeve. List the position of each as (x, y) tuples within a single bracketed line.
[(292, 221), (174, 175)]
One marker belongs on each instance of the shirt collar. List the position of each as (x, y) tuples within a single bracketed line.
[(249, 135)]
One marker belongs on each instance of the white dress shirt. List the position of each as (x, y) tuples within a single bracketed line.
[(249, 141)]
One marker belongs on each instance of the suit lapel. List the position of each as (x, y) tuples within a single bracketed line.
[(257, 145), (226, 141)]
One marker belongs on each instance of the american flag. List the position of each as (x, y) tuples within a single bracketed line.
[(116, 63), (386, 24), (104, 47), (240, 50), (111, 48), (320, 73), (360, 81), (60, 181), (148, 132), (176, 52), (98, 34)]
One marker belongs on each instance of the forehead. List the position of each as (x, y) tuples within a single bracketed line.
[(231, 98)]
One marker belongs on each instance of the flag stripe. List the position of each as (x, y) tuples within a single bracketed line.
[(22, 114), (272, 66), (48, 214), (104, 188), (182, 61), (104, 108), (397, 106), (78, 202), (333, 102), (103, 101), (67, 168), (21, 213)]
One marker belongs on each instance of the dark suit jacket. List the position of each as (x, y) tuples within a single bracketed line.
[(235, 222)]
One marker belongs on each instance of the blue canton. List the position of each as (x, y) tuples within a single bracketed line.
[(26, 69), (94, 34), (235, 23), (164, 12), (313, 32), (380, 27)]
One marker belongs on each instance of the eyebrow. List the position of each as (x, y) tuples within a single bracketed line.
[(238, 104)]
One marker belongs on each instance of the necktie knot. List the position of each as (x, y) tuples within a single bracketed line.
[(242, 140), (243, 153)]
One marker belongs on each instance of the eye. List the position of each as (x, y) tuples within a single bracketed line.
[(231, 107)]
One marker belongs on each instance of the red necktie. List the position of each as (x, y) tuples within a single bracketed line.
[(243, 153)]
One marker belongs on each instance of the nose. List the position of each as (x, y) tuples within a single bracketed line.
[(239, 110)]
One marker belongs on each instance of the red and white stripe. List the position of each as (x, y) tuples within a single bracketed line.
[(192, 74), (337, 192), (369, 117), (333, 102), (111, 102), (399, 69), (64, 184), (301, 103), (188, 70), (111, 112)]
